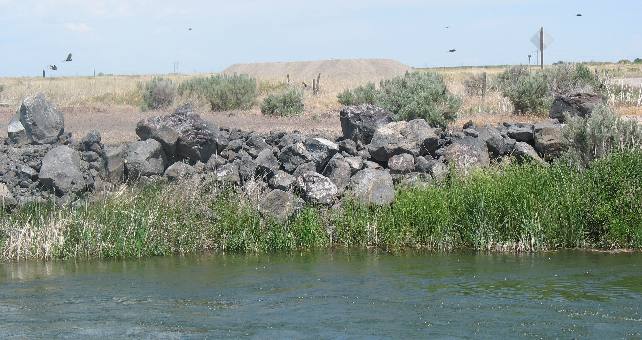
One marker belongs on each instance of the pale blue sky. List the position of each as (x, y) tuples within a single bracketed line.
[(146, 36)]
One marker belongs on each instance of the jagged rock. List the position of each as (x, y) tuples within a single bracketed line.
[(28, 173), (320, 150), (401, 164), (356, 163), (228, 173), (235, 145), (310, 166), (6, 198), (267, 163), (525, 152), (579, 104), (471, 132), (338, 170), (282, 181), (372, 165), (145, 158), (316, 188), (41, 121), (280, 204), (247, 168), (434, 168), (92, 141), (521, 132), (178, 171), (359, 123), (215, 161), (183, 134), (257, 142), (466, 154), (293, 155), (61, 171), (415, 137), (115, 164), (497, 145), (372, 186), (414, 180), (549, 140), (348, 146)]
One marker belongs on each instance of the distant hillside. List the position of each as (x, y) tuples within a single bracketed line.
[(336, 70)]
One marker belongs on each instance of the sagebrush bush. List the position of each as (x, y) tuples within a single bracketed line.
[(158, 93), (223, 92), (285, 103), (365, 94), (600, 134), (474, 84), (568, 78), (528, 92)]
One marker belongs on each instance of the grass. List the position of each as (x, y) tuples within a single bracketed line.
[(510, 208)]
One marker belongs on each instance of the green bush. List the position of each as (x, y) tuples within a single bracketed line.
[(474, 84), (599, 135), (528, 92), (413, 95), (223, 92), (637, 61), (158, 93), (285, 103), (568, 78), (366, 94)]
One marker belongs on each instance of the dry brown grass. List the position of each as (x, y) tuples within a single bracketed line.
[(111, 104)]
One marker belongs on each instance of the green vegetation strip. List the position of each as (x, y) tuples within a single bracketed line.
[(509, 208)]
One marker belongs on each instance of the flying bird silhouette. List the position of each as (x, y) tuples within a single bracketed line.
[(447, 27), (189, 29), (578, 15), (68, 57), (452, 51), (53, 67)]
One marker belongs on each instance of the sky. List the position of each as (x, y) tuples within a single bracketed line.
[(149, 36)]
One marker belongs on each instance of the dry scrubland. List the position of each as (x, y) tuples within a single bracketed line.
[(112, 103)]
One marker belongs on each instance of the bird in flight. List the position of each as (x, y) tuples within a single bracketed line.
[(53, 67), (578, 15), (68, 57), (189, 29), (452, 51), (447, 27)]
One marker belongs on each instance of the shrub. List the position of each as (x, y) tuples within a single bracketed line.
[(527, 92), (366, 94), (568, 78), (474, 85), (637, 61), (285, 103), (158, 93), (223, 92), (600, 134)]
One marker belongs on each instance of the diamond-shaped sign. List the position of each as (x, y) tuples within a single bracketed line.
[(548, 40)]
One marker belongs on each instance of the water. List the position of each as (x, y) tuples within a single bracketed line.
[(327, 295)]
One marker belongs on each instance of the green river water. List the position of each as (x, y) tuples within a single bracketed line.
[(327, 295)]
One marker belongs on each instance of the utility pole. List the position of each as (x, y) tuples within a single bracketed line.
[(541, 44)]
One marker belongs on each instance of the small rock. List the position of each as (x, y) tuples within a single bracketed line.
[(280, 204), (179, 170), (316, 188), (282, 181), (401, 164)]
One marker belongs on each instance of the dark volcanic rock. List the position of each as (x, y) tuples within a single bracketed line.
[(415, 137), (282, 180), (549, 140), (338, 170), (525, 152), (466, 154), (280, 204), (316, 188), (115, 163), (145, 158), (359, 123), (178, 171), (579, 104), (37, 121), (401, 164), (521, 132), (61, 171), (372, 186)]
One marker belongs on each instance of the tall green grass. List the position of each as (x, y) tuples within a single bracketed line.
[(512, 208)]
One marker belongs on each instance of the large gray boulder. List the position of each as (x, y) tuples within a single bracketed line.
[(338, 170), (520, 132), (179, 170), (115, 163), (359, 123), (549, 140), (6, 198), (467, 153), (282, 181), (145, 158), (526, 153), (415, 137), (37, 121), (293, 155), (266, 163), (280, 204), (402, 164), (370, 186), (497, 145), (316, 188), (579, 104), (182, 134), (61, 171), (320, 151)]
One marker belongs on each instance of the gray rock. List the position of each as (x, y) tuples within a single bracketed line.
[(294, 155), (372, 186), (267, 163), (579, 104), (282, 181), (359, 123), (466, 154), (338, 170), (6, 198), (247, 168), (321, 150), (42, 122), (183, 134), (228, 173), (310, 166), (90, 141), (145, 158), (280, 204), (401, 164), (16, 131), (348, 146), (61, 171), (521, 132), (316, 188), (115, 163), (471, 132), (356, 163), (414, 180), (27, 172), (525, 152), (372, 165), (215, 161), (549, 140), (415, 137), (438, 170), (179, 170)]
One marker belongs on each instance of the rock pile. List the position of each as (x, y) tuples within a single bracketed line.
[(373, 154)]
